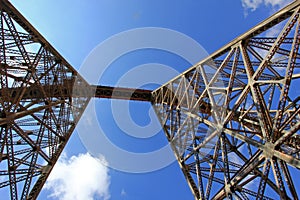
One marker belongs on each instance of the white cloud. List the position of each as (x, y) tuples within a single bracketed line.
[(251, 4), (123, 193), (279, 3), (254, 4), (80, 177)]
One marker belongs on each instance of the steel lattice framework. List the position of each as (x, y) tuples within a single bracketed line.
[(35, 124), (233, 119), (41, 100)]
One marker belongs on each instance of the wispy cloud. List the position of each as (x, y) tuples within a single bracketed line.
[(123, 192), (252, 5), (80, 177)]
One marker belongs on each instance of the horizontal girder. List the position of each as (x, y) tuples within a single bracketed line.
[(67, 90)]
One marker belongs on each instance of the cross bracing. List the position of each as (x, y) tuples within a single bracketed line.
[(232, 119)]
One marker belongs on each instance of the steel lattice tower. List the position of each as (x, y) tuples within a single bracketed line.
[(41, 100), (232, 119)]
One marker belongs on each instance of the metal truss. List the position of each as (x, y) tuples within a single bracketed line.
[(233, 119), (35, 125), (41, 100)]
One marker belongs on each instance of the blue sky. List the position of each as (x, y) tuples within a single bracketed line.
[(76, 27)]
